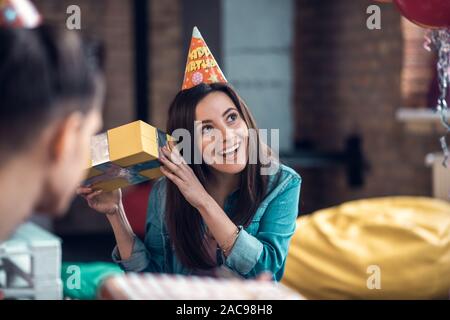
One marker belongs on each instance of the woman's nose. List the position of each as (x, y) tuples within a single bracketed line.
[(228, 135)]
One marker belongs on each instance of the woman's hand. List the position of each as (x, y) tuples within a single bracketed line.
[(102, 201), (175, 168), (110, 203)]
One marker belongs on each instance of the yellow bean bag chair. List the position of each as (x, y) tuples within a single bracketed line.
[(382, 248)]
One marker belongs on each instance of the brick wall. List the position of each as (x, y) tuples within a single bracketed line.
[(167, 61), (418, 67), (110, 21), (348, 80)]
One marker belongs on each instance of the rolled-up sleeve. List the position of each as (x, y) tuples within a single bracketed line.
[(246, 252), (267, 250), (137, 262)]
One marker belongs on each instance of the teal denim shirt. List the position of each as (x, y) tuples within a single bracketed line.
[(261, 246)]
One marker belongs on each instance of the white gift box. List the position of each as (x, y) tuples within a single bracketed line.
[(30, 264)]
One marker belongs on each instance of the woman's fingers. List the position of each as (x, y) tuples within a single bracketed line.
[(171, 145), (173, 155), (178, 155), (83, 190), (177, 169), (181, 160), (93, 194), (174, 178), (169, 164)]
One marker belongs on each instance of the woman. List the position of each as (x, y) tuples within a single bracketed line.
[(224, 211)]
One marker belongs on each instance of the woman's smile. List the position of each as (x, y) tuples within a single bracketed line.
[(231, 152)]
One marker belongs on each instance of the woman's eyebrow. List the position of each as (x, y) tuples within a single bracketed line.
[(223, 115), (228, 110)]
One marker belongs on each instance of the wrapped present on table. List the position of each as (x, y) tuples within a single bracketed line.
[(125, 155), (154, 286), (30, 265)]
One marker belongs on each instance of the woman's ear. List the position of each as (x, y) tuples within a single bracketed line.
[(65, 136)]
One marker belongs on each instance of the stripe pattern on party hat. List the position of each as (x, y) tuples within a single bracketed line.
[(201, 67), (19, 14)]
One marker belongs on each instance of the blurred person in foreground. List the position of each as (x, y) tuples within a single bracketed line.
[(51, 92)]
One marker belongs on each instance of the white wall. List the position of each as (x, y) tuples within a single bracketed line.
[(256, 49)]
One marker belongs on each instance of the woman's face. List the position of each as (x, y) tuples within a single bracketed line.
[(222, 133)]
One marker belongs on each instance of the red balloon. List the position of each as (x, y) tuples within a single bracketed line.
[(426, 13)]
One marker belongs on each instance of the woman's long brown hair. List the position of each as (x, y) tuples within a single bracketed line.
[(184, 222)]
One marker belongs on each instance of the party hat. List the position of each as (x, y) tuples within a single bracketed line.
[(201, 67), (19, 14)]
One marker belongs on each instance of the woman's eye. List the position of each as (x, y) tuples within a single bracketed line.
[(232, 117), (206, 129)]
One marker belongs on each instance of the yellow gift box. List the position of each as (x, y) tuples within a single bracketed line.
[(125, 155)]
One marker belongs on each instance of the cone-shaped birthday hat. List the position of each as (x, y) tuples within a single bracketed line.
[(201, 67), (19, 14)]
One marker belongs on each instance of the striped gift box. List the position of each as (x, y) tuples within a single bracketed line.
[(149, 286)]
